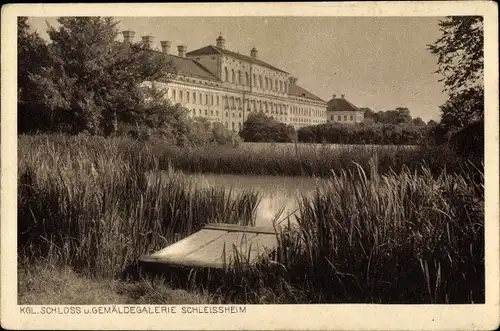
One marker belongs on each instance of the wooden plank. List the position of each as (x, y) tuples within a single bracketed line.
[(213, 247), (214, 251), (188, 245), (239, 228)]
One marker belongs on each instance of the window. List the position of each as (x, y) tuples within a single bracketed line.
[(345, 117), (217, 100), (199, 112), (199, 98), (246, 79), (225, 123), (206, 112), (267, 83), (226, 74), (212, 101), (352, 118), (276, 85), (339, 118), (206, 99), (239, 126), (194, 97), (260, 81), (232, 76), (239, 77), (187, 97), (281, 86), (232, 125), (181, 96), (173, 95), (211, 113), (217, 112)]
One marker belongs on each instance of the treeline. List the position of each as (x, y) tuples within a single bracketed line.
[(362, 133), (82, 81)]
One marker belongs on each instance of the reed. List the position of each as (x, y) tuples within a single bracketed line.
[(95, 208), (266, 159), (395, 238)]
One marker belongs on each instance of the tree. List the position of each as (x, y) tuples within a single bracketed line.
[(32, 58), (369, 115), (93, 82), (400, 115), (461, 63), (417, 122)]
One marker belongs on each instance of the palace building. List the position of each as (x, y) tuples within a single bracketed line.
[(225, 86)]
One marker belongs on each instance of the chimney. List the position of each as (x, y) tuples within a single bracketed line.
[(334, 96), (147, 41), (253, 52), (221, 41), (165, 46), (182, 50), (128, 36), (343, 95)]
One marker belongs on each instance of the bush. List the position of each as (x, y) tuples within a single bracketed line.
[(261, 128)]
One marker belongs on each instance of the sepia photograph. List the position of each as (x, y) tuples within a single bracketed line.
[(203, 165)]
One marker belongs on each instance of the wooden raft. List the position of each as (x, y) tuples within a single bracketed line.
[(217, 245)]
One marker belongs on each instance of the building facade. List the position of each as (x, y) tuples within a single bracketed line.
[(340, 110), (226, 87)]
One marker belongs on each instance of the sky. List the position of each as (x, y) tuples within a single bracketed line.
[(376, 62)]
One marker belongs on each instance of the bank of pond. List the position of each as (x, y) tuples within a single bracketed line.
[(357, 225)]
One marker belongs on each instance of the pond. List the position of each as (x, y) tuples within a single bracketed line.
[(276, 191)]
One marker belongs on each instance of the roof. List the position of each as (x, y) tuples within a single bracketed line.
[(296, 90), (210, 49), (189, 67), (341, 104)]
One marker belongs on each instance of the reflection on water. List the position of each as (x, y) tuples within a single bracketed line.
[(276, 191)]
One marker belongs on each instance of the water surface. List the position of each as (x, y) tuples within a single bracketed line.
[(276, 191)]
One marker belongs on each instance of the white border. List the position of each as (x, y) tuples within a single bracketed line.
[(269, 317)]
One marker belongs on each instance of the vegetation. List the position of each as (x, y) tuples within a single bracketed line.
[(362, 133), (96, 208), (461, 63), (262, 128), (395, 238), (96, 205)]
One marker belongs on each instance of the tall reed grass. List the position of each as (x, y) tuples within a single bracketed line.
[(269, 159), (396, 238), (96, 208)]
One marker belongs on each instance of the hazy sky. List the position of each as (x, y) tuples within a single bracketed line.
[(377, 62)]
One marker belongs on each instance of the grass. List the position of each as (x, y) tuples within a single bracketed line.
[(392, 226), (49, 284)]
